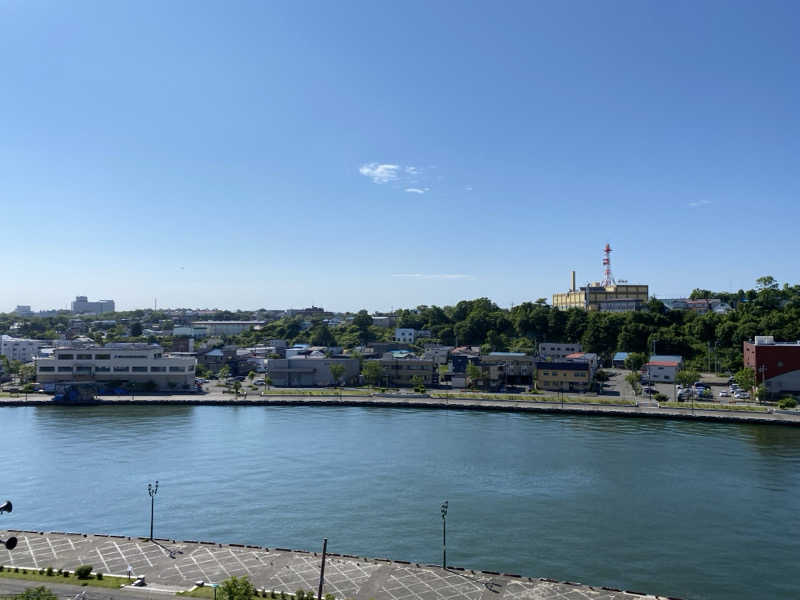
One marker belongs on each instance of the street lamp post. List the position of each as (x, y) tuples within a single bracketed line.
[(152, 490), (444, 534)]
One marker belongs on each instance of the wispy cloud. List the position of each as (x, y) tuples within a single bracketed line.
[(468, 188), (433, 275), (699, 203), (417, 190), (380, 173)]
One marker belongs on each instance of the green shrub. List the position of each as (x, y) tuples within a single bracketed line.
[(2, 568), (49, 571), (60, 571), (329, 597), (787, 402), (99, 575), (41, 571), (65, 573), (24, 571), (299, 595), (83, 572), (659, 397), (283, 595), (16, 569)]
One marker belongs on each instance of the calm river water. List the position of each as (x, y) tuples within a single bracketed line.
[(695, 510)]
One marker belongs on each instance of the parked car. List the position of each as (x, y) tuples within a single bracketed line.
[(258, 382), (741, 395), (699, 384), (723, 394), (649, 390)]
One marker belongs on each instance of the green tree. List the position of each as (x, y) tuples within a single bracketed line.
[(251, 375), (237, 386), (635, 361), (237, 588), (419, 385), (322, 336), (474, 373), (224, 372), (362, 321), (745, 378), (337, 372), (267, 381), (372, 372), (686, 377), (27, 372), (136, 329), (761, 393), (632, 379)]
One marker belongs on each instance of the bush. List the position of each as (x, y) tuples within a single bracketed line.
[(41, 571), (659, 397), (24, 571), (2, 568), (65, 573), (16, 569), (99, 575), (60, 571), (329, 597), (83, 572), (787, 402), (299, 595), (49, 571)]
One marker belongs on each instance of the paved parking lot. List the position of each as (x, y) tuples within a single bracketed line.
[(171, 565)]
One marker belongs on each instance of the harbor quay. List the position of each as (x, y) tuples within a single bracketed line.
[(774, 417), (171, 566)]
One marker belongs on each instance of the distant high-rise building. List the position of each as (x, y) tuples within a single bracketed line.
[(82, 305), (24, 310)]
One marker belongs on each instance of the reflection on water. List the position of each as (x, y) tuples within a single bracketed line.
[(690, 509)]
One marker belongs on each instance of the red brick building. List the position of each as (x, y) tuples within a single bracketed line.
[(776, 364)]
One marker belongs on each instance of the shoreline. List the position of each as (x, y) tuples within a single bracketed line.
[(426, 402)]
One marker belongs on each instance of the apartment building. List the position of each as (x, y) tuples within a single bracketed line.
[(515, 368), (221, 328), (662, 368), (20, 349), (564, 375), (116, 365), (776, 364)]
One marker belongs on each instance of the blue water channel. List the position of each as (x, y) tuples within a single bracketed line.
[(694, 510)]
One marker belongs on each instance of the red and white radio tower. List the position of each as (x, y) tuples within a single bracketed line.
[(608, 278)]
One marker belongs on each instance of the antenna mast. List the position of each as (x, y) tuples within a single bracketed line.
[(608, 278)]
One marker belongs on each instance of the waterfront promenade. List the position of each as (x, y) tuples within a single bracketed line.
[(170, 566), (424, 401)]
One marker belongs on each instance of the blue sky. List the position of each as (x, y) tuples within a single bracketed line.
[(379, 155)]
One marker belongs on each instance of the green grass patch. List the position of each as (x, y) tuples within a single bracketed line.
[(33, 575), (715, 406), (322, 392), (535, 398), (208, 592)]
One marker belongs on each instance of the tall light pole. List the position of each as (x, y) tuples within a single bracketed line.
[(152, 490), (444, 534)]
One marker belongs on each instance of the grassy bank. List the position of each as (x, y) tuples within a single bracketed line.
[(535, 398), (40, 575)]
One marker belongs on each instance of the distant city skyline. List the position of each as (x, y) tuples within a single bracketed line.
[(375, 155)]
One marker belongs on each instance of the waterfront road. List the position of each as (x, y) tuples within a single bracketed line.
[(169, 566)]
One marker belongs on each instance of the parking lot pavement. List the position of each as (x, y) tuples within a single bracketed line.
[(173, 565)]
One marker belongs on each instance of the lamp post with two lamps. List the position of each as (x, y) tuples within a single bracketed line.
[(152, 490)]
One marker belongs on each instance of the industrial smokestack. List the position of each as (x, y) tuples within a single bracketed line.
[(572, 288)]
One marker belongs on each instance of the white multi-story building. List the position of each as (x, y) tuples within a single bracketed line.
[(118, 364), (81, 305), (553, 350), (23, 310), (20, 349)]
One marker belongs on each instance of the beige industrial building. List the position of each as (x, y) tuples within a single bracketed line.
[(614, 297)]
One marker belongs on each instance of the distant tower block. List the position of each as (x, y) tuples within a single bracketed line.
[(608, 278)]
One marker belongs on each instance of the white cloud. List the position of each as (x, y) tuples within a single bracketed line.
[(417, 190), (699, 203), (433, 275), (379, 173), (468, 188)]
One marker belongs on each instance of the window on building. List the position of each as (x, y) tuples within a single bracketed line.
[(65, 369), (46, 369), (158, 369), (102, 369), (121, 369), (84, 357), (66, 356), (139, 369), (176, 369), (102, 357), (83, 369)]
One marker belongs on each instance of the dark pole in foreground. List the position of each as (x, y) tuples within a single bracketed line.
[(444, 535), (152, 490), (322, 568)]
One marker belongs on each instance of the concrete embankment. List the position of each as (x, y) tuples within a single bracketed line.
[(172, 565), (418, 401)]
